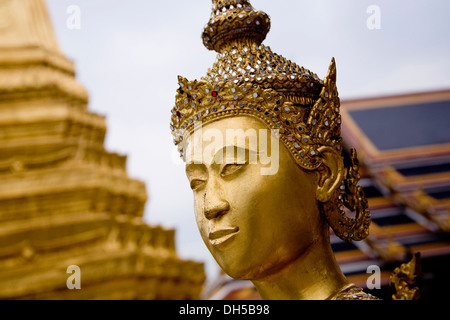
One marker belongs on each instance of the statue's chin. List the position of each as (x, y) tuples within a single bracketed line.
[(236, 269), (243, 271), (241, 274)]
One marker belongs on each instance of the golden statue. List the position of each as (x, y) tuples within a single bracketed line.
[(264, 209)]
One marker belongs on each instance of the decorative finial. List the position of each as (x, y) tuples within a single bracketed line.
[(405, 279), (234, 20)]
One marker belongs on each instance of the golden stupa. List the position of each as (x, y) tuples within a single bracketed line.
[(69, 213)]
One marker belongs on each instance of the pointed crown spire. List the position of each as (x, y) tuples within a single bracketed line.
[(234, 20)]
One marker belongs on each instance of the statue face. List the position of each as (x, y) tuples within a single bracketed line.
[(252, 223)]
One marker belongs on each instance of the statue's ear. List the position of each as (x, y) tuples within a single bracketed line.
[(331, 173)]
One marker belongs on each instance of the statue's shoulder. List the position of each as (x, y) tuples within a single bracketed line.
[(352, 292)]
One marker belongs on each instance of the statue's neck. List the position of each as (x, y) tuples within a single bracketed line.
[(315, 275)]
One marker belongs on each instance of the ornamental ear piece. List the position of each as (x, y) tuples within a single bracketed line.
[(249, 79)]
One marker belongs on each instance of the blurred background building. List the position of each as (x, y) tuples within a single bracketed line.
[(70, 217)]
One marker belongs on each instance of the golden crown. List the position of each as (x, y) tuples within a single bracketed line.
[(249, 79)]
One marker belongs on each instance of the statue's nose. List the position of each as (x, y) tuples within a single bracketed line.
[(216, 210), (214, 203)]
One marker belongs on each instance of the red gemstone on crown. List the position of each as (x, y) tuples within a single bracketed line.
[(214, 94)]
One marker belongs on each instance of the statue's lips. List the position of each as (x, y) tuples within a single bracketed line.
[(222, 235)]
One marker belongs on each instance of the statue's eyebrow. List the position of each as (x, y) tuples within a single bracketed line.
[(219, 156), (218, 159)]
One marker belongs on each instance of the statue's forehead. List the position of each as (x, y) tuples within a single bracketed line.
[(227, 138), (233, 131), (237, 122)]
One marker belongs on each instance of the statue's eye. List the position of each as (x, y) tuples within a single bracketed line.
[(196, 184), (231, 168)]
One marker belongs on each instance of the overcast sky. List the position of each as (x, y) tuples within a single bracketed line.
[(128, 55)]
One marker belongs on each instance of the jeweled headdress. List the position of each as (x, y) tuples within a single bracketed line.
[(249, 79)]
